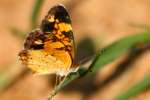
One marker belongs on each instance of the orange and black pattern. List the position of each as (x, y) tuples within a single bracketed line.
[(55, 27), (54, 37), (58, 23)]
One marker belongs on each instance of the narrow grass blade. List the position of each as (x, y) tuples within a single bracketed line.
[(18, 33), (107, 55), (116, 49), (35, 13), (135, 89)]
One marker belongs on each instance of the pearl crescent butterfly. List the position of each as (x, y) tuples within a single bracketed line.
[(49, 49)]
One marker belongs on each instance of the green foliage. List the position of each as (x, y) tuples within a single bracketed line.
[(114, 50), (5, 77), (18, 33), (105, 56), (135, 89), (3, 80), (33, 20), (35, 12)]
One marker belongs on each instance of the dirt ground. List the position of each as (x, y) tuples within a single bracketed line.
[(102, 21)]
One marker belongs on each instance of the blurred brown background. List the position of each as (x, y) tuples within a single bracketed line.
[(102, 21)]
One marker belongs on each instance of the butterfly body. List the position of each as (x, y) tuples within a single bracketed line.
[(50, 48)]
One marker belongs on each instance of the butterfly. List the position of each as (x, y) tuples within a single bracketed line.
[(50, 49)]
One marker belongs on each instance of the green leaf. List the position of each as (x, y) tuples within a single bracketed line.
[(105, 56), (135, 89), (35, 12), (3, 80), (116, 49), (18, 33)]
